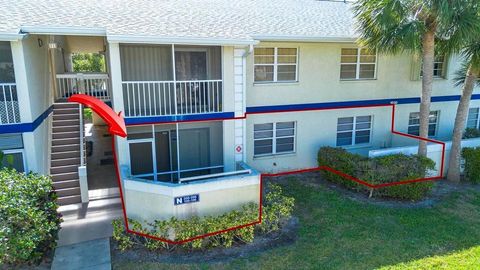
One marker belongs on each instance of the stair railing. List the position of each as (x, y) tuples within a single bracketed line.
[(82, 137)]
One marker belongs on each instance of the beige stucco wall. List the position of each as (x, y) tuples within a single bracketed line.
[(147, 202), (32, 76), (319, 81), (319, 78), (318, 128)]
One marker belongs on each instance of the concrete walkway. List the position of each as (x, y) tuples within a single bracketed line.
[(84, 239), (93, 254), (84, 222)]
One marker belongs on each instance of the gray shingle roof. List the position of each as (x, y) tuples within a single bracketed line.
[(216, 19)]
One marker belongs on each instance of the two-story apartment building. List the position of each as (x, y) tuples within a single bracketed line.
[(212, 92)]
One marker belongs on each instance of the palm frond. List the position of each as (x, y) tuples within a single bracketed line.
[(389, 26), (459, 24), (461, 74)]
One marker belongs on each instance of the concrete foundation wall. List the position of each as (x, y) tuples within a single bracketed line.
[(147, 202), (434, 152)]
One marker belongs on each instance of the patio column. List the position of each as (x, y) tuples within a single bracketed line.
[(117, 97), (21, 81)]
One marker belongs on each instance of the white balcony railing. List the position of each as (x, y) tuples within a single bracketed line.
[(93, 84), (158, 98), (9, 109)]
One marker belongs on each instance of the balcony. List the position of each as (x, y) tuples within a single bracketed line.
[(9, 108), (165, 80), (93, 84), (159, 98)]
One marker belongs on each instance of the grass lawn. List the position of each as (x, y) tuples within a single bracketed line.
[(337, 232)]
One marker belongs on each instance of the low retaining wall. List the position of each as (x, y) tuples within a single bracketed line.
[(434, 152), (149, 201)]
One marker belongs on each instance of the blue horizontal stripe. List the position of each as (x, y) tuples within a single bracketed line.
[(177, 118), (30, 127), (26, 127), (340, 104)]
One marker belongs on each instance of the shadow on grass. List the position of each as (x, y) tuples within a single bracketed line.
[(338, 231), (341, 233)]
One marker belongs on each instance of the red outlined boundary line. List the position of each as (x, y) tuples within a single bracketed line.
[(259, 220)]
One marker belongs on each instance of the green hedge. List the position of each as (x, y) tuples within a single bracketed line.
[(472, 164), (29, 222), (379, 170), (277, 209)]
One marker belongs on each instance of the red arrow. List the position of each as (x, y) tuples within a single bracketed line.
[(115, 122)]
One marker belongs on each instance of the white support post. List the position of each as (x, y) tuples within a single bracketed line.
[(21, 81), (174, 82), (116, 77), (80, 83), (117, 98), (82, 176)]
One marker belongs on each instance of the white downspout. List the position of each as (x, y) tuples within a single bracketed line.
[(244, 100)]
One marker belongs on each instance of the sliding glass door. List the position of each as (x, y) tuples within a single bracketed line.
[(161, 155)]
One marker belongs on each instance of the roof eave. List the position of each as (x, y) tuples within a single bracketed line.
[(70, 31), (11, 36), (279, 38), (179, 40)]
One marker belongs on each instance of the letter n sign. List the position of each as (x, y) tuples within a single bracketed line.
[(186, 199)]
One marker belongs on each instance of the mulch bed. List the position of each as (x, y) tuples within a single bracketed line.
[(286, 236), (442, 188)]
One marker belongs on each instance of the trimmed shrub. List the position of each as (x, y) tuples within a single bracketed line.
[(29, 222), (472, 164), (276, 211), (379, 170), (471, 133)]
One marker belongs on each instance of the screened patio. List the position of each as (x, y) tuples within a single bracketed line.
[(177, 152), (160, 80)]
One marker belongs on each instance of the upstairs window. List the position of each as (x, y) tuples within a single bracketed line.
[(274, 138), (354, 130), (438, 66), (275, 64), (7, 74), (473, 119), (414, 124), (358, 64)]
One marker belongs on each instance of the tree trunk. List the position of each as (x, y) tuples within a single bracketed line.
[(428, 57), (460, 118)]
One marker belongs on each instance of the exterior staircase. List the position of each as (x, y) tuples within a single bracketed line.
[(65, 153)]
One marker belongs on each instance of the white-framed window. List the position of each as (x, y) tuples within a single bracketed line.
[(358, 64), (275, 64), (414, 123), (473, 121), (439, 65), (354, 130), (11, 145), (274, 138), (15, 158)]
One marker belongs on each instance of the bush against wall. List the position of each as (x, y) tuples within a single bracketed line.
[(379, 170), (29, 222), (472, 164), (276, 211)]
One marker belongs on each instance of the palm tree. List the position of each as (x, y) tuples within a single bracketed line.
[(467, 77), (413, 26)]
